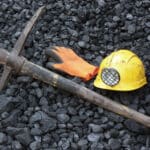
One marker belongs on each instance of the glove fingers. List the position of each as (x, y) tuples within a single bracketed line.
[(57, 67), (65, 53), (52, 53), (50, 65)]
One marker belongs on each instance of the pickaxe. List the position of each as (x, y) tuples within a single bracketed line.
[(13, 62)]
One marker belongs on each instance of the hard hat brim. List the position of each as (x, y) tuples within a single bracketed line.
[(120, 87)]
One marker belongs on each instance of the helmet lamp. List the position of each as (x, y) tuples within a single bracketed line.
[(110, 76)]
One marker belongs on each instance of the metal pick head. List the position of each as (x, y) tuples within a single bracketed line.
[(19, 45)]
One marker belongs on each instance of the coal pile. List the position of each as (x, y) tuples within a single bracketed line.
[(36, 116)]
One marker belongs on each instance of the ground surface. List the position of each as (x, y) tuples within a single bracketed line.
[(39, 117)]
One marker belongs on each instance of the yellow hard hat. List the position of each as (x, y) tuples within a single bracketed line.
[(122, 70)]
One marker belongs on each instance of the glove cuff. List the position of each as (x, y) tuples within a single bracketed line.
[(92, 74)]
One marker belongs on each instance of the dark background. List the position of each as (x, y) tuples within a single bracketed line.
[(37, 116)]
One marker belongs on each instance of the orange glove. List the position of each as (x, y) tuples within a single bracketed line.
[(71, 63)]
